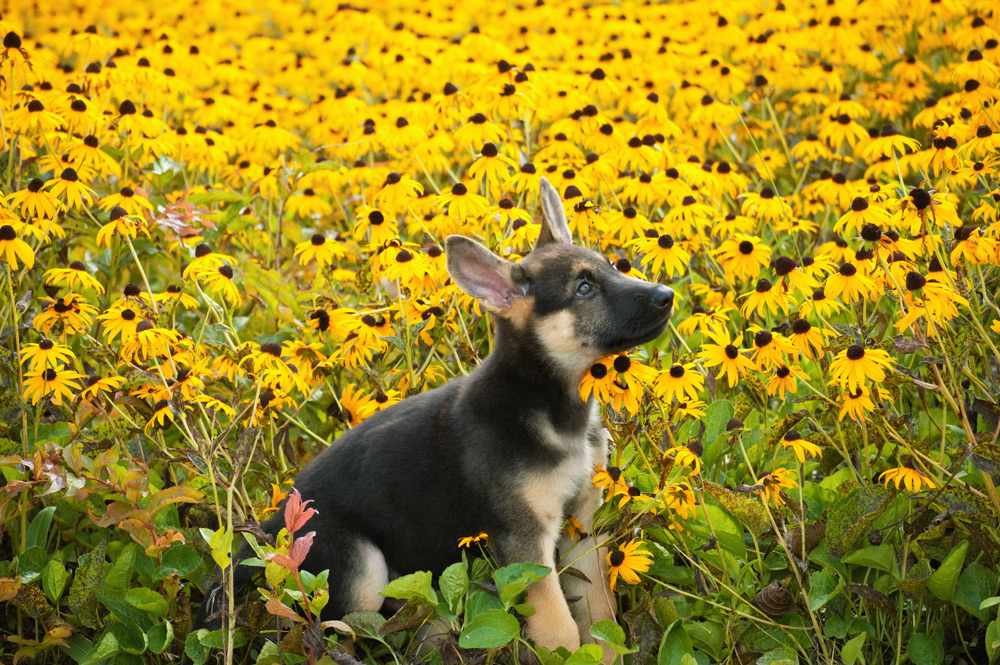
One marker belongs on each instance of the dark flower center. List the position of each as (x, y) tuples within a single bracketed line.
[(50, 374), (763, 285), (801, 327), (458, 189), (855, 352), (622, 364), (746, 247), (762, 338), (914, 281), (677, 371), (731, 352), (318, 239), (617, 558), (598, 371), (848, 270), (921, 199), (7, 233), (226, 272), (489, 150), (784, 265), (859, 204), (665, 241)]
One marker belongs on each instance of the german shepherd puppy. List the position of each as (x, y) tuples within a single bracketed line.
[(508, 449)]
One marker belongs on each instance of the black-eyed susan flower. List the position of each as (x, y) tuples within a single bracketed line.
[(162, 418), (723, 352), (766, 297), (13, 249), (492, 167), (626, 563), (68, 188), (599, 382), (800, 446), (68, 314), (775, 482), (687, 455), (469, 541), (770, 349), (850, 283), (888, 144), (909, 477), (856, 365), (34, 201), (95, 386), (809, 340), (320, 249), (120, 322), (219, 281), (744, 256), (75, 276), (680, 381), (46, 354), (128, 199), (783, 381), (55, 384)]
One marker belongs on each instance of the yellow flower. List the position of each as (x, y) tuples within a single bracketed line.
[(628, 562), (481, 537), (681, 381), (853, 366), (774, 482), (52, 383), (13, 248), (909, 477), (46, 354), (686, 455), (801, 447)]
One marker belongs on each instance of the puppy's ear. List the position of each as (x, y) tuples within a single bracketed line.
[(554, 227), (481, 273)]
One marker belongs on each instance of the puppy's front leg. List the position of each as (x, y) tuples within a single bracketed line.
[(552, 623), (597, 603)]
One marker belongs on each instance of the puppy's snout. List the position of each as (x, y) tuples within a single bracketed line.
[(662, 296)]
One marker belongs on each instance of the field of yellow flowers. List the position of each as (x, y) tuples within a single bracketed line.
[(221, 232)]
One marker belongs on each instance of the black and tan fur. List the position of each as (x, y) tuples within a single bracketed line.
[(508, 449)]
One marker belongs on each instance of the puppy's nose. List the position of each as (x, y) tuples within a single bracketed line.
[(662, 296)]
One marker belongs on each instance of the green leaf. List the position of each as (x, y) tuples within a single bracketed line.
[(879, 557), (481, 601), (221, 542), (54, 580), (365, 623), (408, 586), (82, 599), (674, 645), (727, 530), (115, 601), (160, 636), (823, 586), (717, 416), (31, 563), (924, 650), (514, 579), (491, 629), (779, 656), (975, 584), (993, 640), (851, 650), (608, 631), (131, 639), (38, 530), (119, 576), (943, 580), (182, 559), (193, 648), (148, 601), (707, 636), (454, 584), (588, 654), (104, 649), (853, 517)]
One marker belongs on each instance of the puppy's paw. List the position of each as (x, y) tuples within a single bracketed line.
[(552, 634)]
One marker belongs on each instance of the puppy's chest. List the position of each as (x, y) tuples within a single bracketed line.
[(550, 492)]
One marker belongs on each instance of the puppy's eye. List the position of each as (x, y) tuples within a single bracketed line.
[(585, 289)]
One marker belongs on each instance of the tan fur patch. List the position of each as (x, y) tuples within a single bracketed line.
[(552, 624), (520, 312), (558, 334)]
